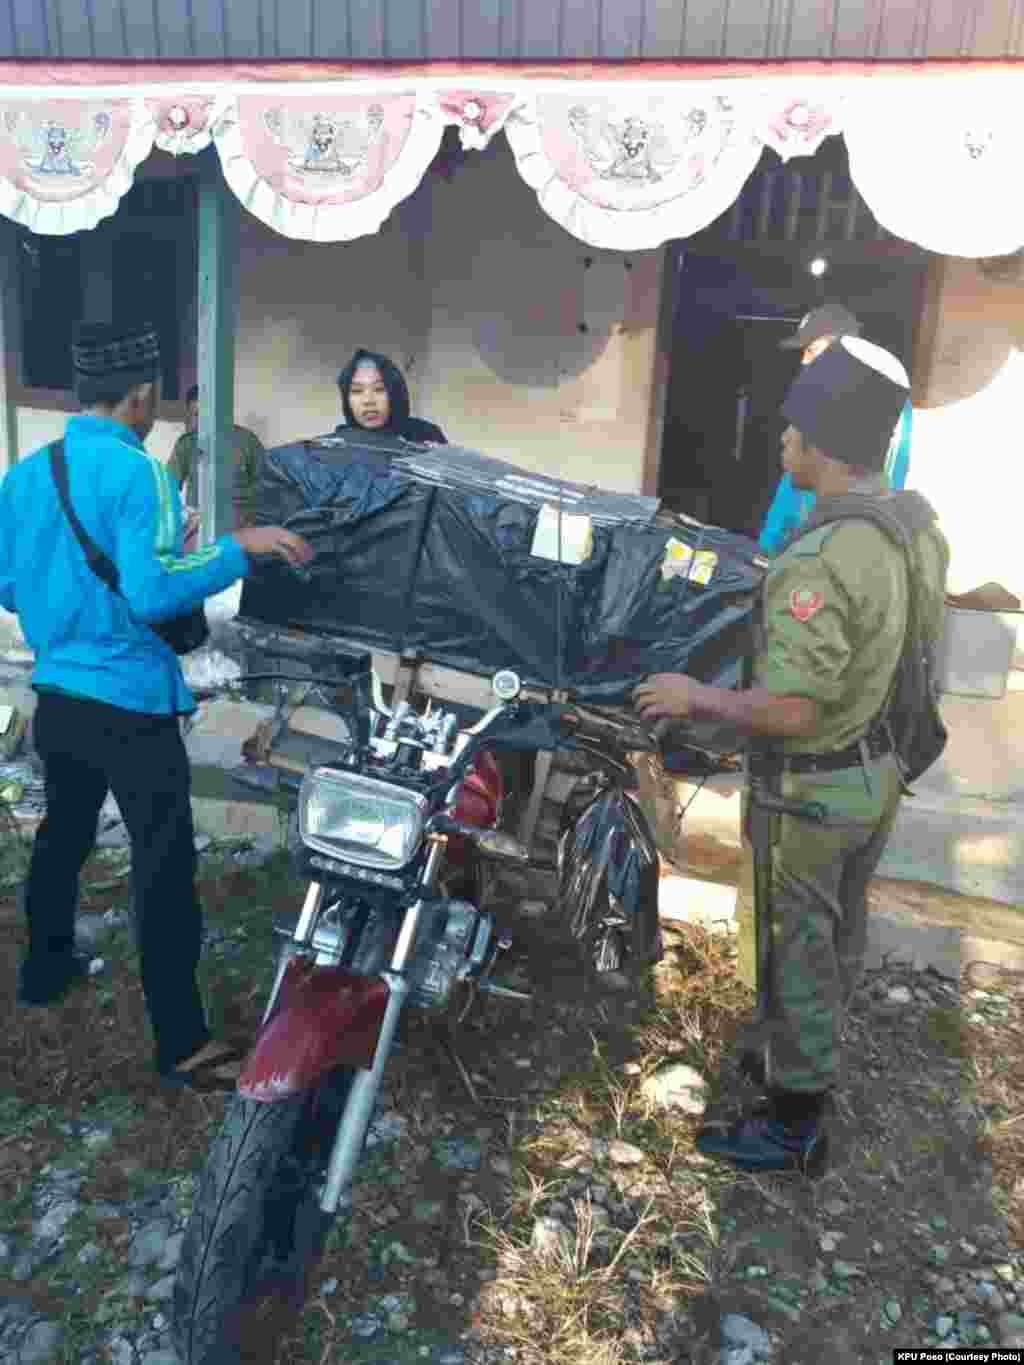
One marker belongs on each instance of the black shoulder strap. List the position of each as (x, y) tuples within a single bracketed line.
[(102, 566), (900, 515)]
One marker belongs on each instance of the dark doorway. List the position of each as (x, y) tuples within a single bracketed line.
[(51, 302), (146, 290), (741, 286), (720, 455)]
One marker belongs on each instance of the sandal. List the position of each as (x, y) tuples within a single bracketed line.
[(213, 1075)]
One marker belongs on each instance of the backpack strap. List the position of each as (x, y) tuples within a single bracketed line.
[(101, 564), (900, 516)]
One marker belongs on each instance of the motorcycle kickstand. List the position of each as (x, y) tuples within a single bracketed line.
[(448, 1045), (482, 986), (485, 986)]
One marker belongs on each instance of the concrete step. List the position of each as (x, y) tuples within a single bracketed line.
[(914, 924), (972, 847)]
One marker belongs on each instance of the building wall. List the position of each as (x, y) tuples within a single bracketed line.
[(965, 455), (480, 298), (477, 295)]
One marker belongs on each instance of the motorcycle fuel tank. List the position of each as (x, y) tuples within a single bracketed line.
[(479, 797)]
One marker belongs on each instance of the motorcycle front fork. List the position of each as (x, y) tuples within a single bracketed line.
[(365, 1087)]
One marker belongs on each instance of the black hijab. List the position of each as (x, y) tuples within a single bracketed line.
[(399, 423)]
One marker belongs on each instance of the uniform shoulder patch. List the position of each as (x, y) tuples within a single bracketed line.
[(805, 603)]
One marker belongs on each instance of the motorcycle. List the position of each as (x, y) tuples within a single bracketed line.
[(392, 834)]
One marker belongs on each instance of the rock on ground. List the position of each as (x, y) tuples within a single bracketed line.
[(551, 1240), (676, 1087), (40, 1344)]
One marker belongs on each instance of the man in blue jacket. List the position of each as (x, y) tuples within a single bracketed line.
[(111, 691), (790, 508)]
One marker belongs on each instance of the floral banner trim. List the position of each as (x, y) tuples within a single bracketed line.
[(797, 125), (183, 125), (326, 170), (478, 114), (66, 163), (940, 171), (626, 164), (631, 173)]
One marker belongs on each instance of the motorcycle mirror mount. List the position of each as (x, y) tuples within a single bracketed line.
[(490, 841), (501, 846), (506, 685)]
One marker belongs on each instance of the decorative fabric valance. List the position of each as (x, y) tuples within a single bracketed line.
[(623, 162)]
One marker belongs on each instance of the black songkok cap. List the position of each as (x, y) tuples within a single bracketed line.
[(847, 402), (101, 350)]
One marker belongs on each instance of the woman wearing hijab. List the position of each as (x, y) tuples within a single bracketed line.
[(375, 397)]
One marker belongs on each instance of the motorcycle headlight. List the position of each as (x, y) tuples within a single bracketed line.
[(360, 819)]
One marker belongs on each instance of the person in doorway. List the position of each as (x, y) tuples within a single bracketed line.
[(833, 617), (790, 508), (246, 452), (111, 691), (375, 397)]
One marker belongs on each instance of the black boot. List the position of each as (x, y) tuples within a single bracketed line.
[(783, 1134)]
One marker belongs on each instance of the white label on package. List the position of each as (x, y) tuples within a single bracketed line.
[(576, 538), (680, 562)]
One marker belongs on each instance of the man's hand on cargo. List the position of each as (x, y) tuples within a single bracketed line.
[(275, 541)]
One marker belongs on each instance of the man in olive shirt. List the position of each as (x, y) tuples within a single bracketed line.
[(247, 452), (834, 614)]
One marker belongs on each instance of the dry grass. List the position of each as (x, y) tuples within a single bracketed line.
[(996, 1055), (620, 1287), (627, 1283), (71, 1062)]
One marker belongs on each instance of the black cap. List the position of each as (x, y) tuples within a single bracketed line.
[(830, 320), (101, 350), (848, 402)]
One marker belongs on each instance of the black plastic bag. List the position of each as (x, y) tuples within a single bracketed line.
[(608, 875)]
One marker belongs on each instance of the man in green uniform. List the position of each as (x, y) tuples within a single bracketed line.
[(834, 613), (247, 452)]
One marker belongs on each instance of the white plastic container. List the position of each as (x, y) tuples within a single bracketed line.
[(976, 652)]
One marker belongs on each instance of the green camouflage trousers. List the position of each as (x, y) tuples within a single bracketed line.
[(820, 877)]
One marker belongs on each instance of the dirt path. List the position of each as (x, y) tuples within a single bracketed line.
[(565, 1219)]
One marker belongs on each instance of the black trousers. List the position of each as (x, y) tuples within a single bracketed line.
[(88, 748)]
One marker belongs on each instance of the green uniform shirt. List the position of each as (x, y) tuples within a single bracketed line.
[(247, 451), (835, 612)]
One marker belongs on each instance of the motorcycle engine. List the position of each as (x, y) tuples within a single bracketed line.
[(454, 943)]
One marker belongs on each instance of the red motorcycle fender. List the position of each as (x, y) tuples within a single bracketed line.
[(324, 1017)]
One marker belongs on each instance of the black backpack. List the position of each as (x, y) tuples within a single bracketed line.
[(911, 712)]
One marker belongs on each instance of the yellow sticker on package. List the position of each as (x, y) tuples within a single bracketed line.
[(681, 562)]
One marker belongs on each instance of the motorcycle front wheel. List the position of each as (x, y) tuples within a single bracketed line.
[(257, 1232)]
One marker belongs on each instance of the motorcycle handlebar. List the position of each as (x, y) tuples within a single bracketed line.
[(599, 730), (324, 656), (561, 721)]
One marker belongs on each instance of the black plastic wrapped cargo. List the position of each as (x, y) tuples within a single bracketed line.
[(427, 550)]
